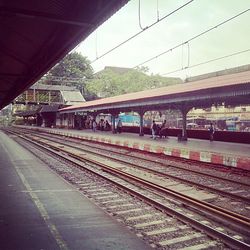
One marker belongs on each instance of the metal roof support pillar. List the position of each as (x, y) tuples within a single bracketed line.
[(80, 122), (184, 110), (37, 96), (141, 114), (68, 121), (26, 96), (113, 116), (49, 97), (34, 95), (184, 125)]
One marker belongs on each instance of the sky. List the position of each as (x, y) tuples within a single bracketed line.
[(189, 21)]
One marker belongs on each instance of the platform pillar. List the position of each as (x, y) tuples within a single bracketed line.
[(113, 116), (184, 110), (141, 114), (184, 125), (68, 120), (94, 115)]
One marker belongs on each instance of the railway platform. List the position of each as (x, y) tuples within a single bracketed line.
[(39, 210), (235, 155)]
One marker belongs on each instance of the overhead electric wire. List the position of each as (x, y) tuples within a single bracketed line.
[(212, 60), (144, 29), (194, 37)]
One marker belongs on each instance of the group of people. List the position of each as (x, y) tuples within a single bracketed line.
[(105, 126), (159, 130), (102, 125)]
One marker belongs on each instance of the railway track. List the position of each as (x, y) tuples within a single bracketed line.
[(168, 202), (225, 187)]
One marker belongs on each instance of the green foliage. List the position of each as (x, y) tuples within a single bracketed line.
[(117, 81), (73, 70), (74, 65)]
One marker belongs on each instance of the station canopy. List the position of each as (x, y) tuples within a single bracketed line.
[(36, 34), (231, 89)]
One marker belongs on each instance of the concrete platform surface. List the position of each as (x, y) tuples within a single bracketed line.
[(224, 153), (39, 210)]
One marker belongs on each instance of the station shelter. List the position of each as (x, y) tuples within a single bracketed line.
[(230, 89)]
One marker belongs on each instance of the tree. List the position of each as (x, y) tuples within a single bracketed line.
[(72, 70), (117, 81), (74, 65)]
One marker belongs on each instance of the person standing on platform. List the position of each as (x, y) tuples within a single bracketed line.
[(119, 126), (101, 124), (107, 125), (211, 131), (153, 129)]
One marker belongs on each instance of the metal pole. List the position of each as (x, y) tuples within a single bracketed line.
[(141, 113)]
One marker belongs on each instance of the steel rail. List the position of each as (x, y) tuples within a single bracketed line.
[(231, 195), (198, 204), (165, 165), (226, 239), (234, 170), (192, 201), (184, 198)]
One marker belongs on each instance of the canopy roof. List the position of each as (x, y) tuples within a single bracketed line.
[(52, 87), (72, 97), (226, 87), (36, 34)]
